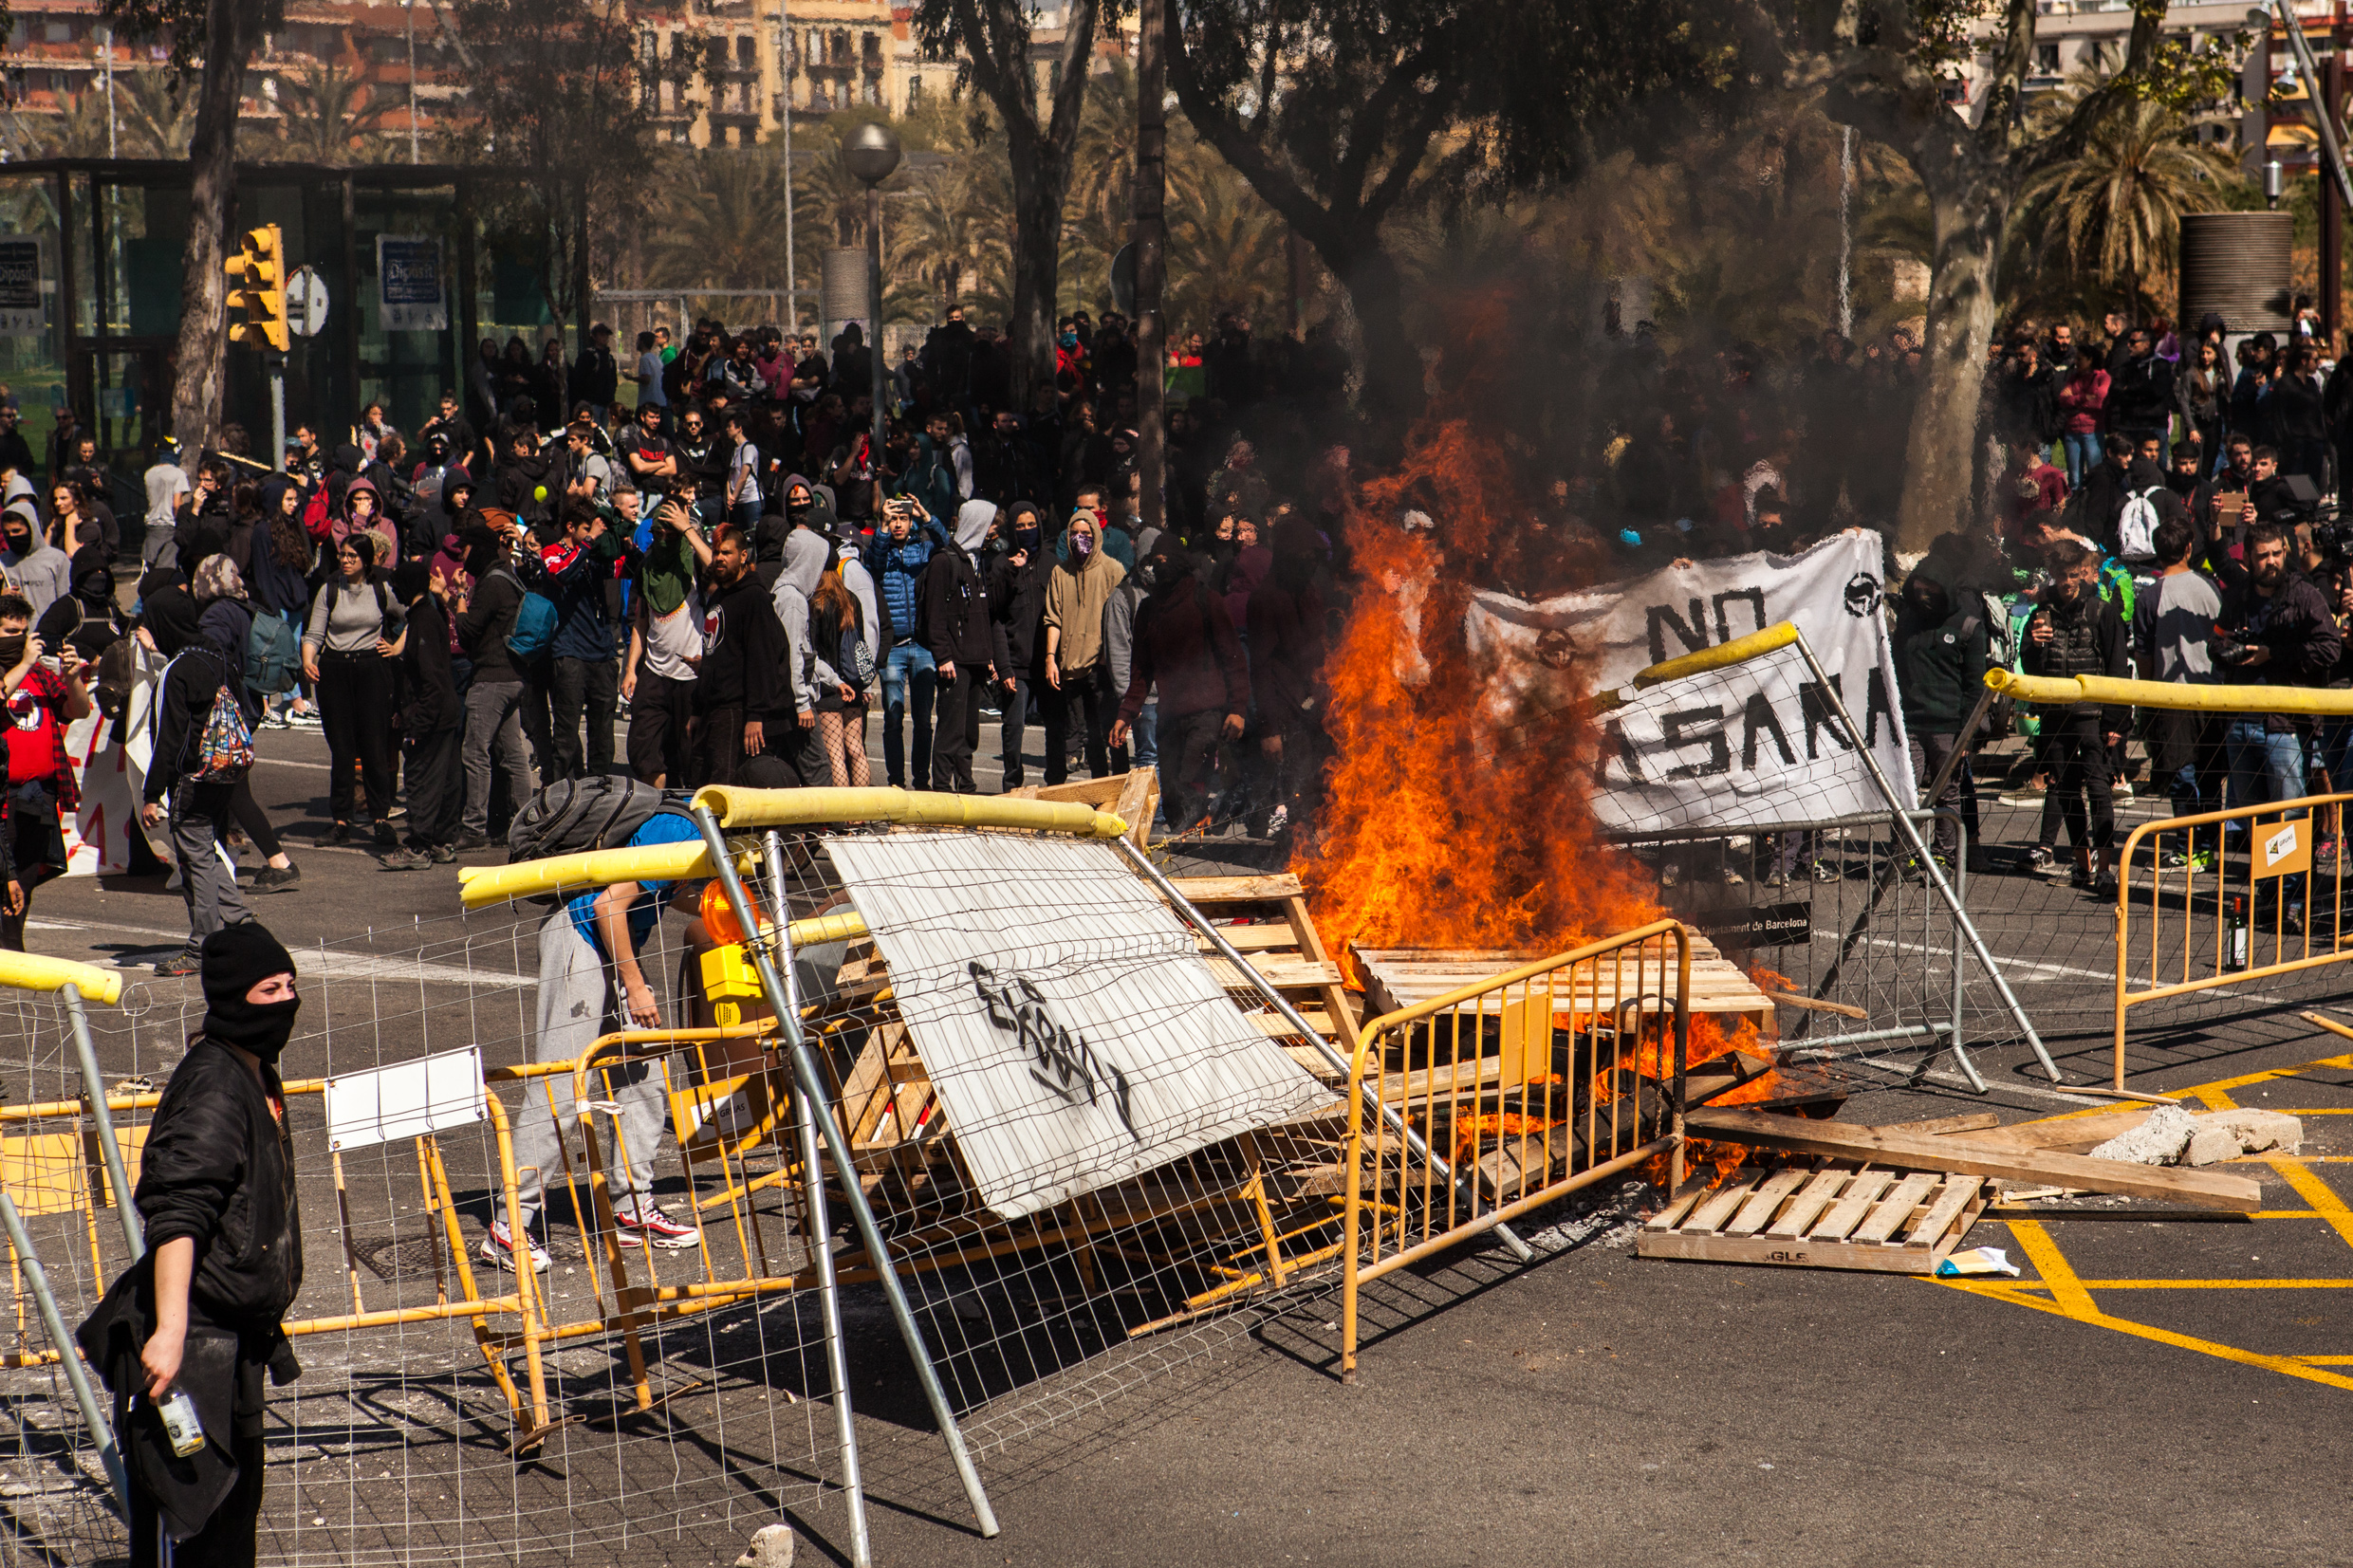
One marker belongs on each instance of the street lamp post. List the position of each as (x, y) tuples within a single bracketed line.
[(872, 156), (408, 9)]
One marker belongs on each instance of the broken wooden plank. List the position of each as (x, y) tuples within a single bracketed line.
[(1962, 1157), (1238, 889), (1811, 1004), (1957, 1194), (2067, 1135), (1971, 1122)]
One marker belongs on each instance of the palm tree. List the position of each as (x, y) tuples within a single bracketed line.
[(942, 227), (77, 130), (1103, 163), (720, 223), (153, 111), (328, 115), (2114, 212), (1225, 244)]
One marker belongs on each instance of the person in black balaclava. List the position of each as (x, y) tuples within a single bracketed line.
[(202, 1313)]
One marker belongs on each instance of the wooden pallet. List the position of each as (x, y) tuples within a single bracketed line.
[(1133, 796), (1890, 1221), (1266, 920), (1400, 977)]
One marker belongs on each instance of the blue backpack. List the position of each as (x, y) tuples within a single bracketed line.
[(534, 627), (273, 654)]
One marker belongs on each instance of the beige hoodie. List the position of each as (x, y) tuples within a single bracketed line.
[(1075, 597)]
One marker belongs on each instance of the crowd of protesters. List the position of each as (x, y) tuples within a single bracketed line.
[(727, 557)]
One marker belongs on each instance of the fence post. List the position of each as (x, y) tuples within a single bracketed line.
[(68, 1356), (94, 1095)]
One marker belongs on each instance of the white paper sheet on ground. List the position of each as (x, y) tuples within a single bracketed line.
[(405, 1101), (1072, 1031)]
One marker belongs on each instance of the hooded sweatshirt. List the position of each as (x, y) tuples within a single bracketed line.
[(804, 562), (1075, 597), (387, 537), (971, 529), (43, 574)]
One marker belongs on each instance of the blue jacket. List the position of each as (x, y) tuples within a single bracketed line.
[(895, 566), (574, 580)]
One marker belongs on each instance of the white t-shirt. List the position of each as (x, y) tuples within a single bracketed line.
[(166, 484), (743, 473), (674, 643), (650, 390)]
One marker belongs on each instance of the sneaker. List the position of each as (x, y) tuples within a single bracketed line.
[(275, 721), (471, 839), (442, 854), (2204, 861), (305, 719), (385, 837), (2291, 922), (2103, 885), (1734, 878), (498, 1247), (1279, 821), (1824, 871), (2078, 877), (1777, 878), (339, 834), (1669, 875), (647, 1222), (2121, 792), (276, 879), (2040, 862), (186, 961), (2173, 859), (405, 859), (2324, 854)]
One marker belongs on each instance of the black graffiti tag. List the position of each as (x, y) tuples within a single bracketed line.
[(1060, 1061)]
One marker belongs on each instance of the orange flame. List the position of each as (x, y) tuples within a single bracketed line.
[(1442, 826)]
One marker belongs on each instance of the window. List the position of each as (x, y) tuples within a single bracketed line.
[(743, 52), (58, 32), (2047, 60), (915, 91), (870, 46), (838, 47)]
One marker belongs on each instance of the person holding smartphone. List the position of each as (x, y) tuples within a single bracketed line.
[(45, 692)]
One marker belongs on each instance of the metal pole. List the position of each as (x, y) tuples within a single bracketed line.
[(874, 335), (792, 286), (1150, 255), (409, 9), (1339, 1064), (2309, 69), (838, 1146), (1928, 861), (1847, 234), (1960, 750), (68, 1356), (276, 366), (94, 1095), (819, 1241)]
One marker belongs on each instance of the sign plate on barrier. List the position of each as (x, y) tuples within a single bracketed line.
[(405, 1101), (2283, 849), (1758, 925)]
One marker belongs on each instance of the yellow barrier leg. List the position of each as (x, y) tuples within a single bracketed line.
[(527, 1279), (443, 1200)]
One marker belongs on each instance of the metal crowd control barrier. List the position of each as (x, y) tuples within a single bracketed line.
[(2262, 879), (1541, 1080)]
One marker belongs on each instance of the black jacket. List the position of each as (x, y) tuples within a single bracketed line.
[(2295, 624), (428, 681), (745, 653), (183, 700), (482, 628), (2089, 639), (1185, 642), (1017, 598), (2141, 394), (1940, 665), (220, 1168), (952, 615)]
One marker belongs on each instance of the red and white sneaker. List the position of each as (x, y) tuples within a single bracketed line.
[(647, 1222), (498, 1247)]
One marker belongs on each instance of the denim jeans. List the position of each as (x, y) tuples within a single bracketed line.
[(908, 664), (2263, 766), (1144, 736), (2084, 454)]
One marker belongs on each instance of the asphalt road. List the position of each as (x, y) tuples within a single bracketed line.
[(2164, 1393)]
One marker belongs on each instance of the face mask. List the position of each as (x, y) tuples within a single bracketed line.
[(261, 1027), (1070, 339), (1082, 545), (11, 652), (1025, 539)]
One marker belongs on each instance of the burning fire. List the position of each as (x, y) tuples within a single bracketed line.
[(1445, 825), (1439, 829)]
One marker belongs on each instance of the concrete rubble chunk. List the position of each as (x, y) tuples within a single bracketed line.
[(2160, 1140), (772, 1548), (2247, 1132)]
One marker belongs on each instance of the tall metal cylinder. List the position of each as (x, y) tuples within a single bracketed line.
[(845, 295), (2237, 266)]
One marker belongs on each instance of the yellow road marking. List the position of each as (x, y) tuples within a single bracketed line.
[(2318, 1193), (2226, 1085), (2065, 1289), (2217, 1285), (2288, 1366)]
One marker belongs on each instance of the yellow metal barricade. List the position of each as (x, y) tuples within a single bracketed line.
[(2231, 896), (1508, 1093)]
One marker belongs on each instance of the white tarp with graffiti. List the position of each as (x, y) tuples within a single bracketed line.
[(1752, 744)]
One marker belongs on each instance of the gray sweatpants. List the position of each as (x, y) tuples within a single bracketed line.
[(208, 878), (579, 1000), (494, 729)]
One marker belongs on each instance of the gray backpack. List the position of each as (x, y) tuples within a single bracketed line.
[(573, 815)]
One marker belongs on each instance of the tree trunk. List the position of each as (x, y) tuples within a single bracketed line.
[(1040, 179), (1940, 456), (200, 359)]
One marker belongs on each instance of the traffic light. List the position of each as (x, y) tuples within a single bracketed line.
[(257, 287)]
